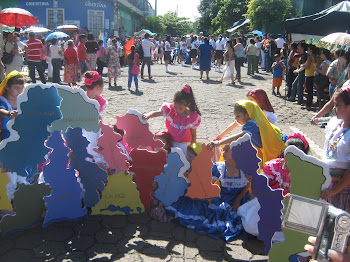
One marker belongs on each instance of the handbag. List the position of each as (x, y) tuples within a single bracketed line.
[(135, 70), (7, 58)]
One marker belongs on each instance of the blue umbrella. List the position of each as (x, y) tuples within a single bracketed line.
[(56, 35), (257, 32)]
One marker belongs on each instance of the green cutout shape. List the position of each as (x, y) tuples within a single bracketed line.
[(77, 111), (308, 177)]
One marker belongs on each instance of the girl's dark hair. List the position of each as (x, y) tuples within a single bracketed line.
[(54, 41), (100, 42), (343, 94), (99, 82), (206, 40), (90, 36), (252, 41), (240, 39), (132, 48), (339, 52), (16, 80), (238, 108), (347, 57), (327, 53), (230, 43), (183, 97), (294, 141), (313, 48), (294, 46)]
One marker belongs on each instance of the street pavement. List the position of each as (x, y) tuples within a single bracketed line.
[(138, 237)]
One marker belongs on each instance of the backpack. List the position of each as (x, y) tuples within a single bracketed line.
[(7, 58), (140, 52)]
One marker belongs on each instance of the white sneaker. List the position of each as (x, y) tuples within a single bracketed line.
[(220, 70), (216, 69)]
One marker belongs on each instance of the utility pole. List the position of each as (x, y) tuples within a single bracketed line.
[(155, 7), (55, 19)]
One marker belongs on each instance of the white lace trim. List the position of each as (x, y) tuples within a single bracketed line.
[(278, 177)]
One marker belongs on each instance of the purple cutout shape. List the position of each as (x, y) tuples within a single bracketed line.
[(270, 200)]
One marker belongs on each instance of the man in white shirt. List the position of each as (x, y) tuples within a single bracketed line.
[(212, 41), (146, 47), (224, 40), (280, 42), (218, 53)]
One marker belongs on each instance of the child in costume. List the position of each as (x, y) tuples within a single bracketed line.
[(182, 118), (266, 137), (260, 97), (10, 88), (337, 151), (276, 169), (216, 219)]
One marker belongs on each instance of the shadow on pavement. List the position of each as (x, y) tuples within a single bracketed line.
[(124, 238), (148, 80), (136, 93), (116, 88), (210, 82)]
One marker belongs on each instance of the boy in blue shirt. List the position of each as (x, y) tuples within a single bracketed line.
[(278, 69)]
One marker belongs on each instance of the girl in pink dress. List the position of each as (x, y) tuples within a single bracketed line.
[(276, 169), (182, 117)]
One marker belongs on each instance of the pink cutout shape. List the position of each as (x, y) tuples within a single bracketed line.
[(137, 131), (110, 151)]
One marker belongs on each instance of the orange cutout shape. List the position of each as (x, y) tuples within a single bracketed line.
[(201, 177)]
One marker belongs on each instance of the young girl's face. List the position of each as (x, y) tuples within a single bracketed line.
[(240, 117), (94, 93), (180, 108), (341, 109), (227, 153), (14, 90), (190, 155)]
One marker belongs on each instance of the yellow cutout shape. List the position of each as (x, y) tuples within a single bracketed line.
[(120, 197), (5, 202)]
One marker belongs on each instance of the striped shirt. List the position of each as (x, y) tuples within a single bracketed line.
[(34, 52)]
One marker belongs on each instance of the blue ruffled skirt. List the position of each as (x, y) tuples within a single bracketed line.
[(216, 219)]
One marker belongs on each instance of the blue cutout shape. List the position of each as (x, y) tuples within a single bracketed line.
[(25, 148), (64, 203), (125, 210), (170, 185), (91, 175)]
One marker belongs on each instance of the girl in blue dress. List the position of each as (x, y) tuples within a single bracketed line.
[(219, 218)]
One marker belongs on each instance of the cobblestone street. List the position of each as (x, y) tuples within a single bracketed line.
[(138, 237)]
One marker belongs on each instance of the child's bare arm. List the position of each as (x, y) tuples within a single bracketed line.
[(6, 113), (226, 140), (152, 114), (227, 130)]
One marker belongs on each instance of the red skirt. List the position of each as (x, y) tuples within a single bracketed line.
[(70, 73)]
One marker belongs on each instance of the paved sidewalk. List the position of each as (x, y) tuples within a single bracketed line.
[(138, 237)]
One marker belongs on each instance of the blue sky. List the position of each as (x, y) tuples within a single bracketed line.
[(187, 8)]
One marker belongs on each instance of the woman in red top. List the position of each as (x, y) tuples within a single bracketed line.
[(71, 63)]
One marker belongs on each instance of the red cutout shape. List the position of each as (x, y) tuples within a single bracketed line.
[(137, 131), (201, 177), (146, 165), (109, 149)]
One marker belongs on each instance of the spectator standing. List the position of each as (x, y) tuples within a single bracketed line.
[(309, 67), (258, 53), (114, 71), (251, 57), (167, 52), (194, 51), (160, 50), (183, 50), (239, 53), (332, 71), (101, 57), (34, 50), (218, 54), (146, 47), (82, 54), (279, 42), (292, 64), (264, 42), (207, 54), (321, 79), (91, 52), (11, 46), (71, 64), (55, 61)]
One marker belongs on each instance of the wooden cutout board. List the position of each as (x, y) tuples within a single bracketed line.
[(5, 202), (245, 155), (38, 107), (91, 175), (201, 177), (146, 165), (120, 197), (171, 186), (64, 203), (308, 177), (78, 110), (26, 196), (137, 131), (110, 151)]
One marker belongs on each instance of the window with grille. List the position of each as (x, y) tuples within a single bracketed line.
[(96, 22), (60, 17)]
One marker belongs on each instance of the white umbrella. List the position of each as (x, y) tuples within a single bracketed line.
[(342, 39), (35, 29), (68, 28)]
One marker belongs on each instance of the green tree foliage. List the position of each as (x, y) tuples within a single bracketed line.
[(218, 15), (263, 12), (169, 24), (230, 12), (155, 24)]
